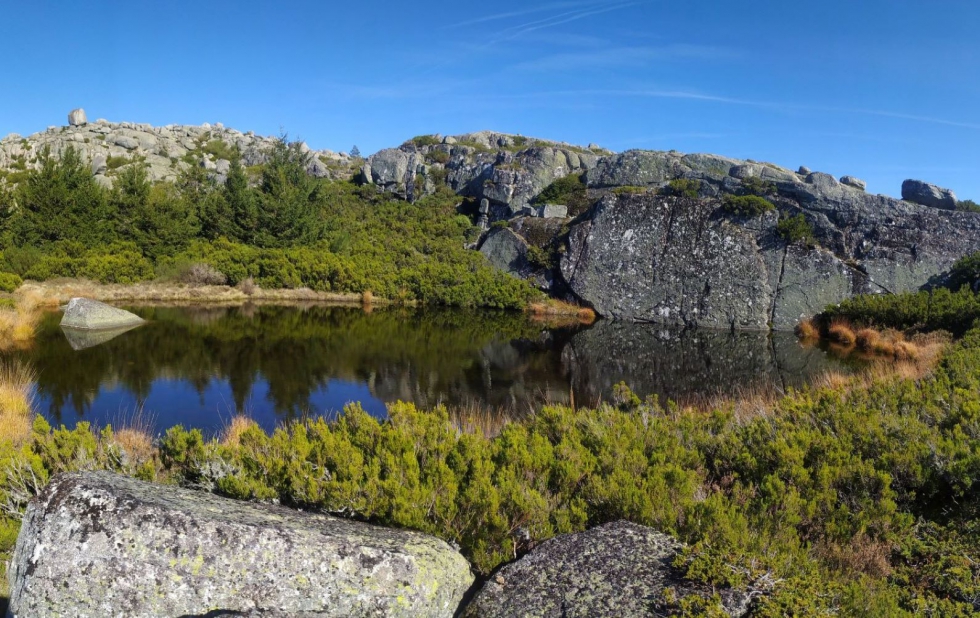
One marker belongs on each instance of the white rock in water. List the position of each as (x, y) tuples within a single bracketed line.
[(90, 314), (77, 118), (101, 544)]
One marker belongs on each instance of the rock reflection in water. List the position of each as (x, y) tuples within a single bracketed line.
[(198, 366), (687, 365), (81, 339)]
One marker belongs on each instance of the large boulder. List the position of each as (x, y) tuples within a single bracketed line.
[(926, 194), (668, 260), (77, 118), (84, 313), (99, 544), (507, 252), (619, 569), (646, 257)]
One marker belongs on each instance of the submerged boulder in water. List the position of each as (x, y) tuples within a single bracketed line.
[(101, 544), (90, 314)]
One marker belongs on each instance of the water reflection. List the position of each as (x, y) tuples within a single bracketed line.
[(196, 366)]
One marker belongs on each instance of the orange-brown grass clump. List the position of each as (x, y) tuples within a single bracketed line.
[(19, 323), (134, 437), (807, 331), (867, 339), (552, 307), (231, 435), (841, 332), (16, 401)]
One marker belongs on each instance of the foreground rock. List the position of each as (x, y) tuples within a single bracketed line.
[(86, 314), (99, 544), (620, 569)]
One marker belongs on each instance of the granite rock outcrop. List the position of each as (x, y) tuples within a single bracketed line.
[(619, 569), (99, 544)]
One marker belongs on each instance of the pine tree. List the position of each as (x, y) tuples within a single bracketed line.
[(355, 152)]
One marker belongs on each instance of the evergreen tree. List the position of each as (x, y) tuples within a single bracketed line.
[(130, 194), (355, 152), (241, 203), (289, 209), (61, 201)]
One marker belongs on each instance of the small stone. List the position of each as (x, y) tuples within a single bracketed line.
[(851, 181), (803, 171)]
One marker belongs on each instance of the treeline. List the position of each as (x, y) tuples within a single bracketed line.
[(275, 224)]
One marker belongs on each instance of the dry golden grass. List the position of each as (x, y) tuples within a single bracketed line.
[(477, 418), (16, 401), (552, 307), (842, 333), (867, 339), (231, 435), (133, 434), (807, 331), (861, 555), (19, 324), (60, 291)]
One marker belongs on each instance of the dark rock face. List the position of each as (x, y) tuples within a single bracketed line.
[(619, 569), (507, 252), (99, 544), (681, 261), (926, 194)]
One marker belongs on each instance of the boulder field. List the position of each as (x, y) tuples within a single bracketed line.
[(101, 544)]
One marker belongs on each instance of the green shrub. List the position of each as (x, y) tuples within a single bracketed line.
[(630, 190), (965, 271), (115, 162), (220, 149), (753, 185), (569, 190), (939, 309), (9, 282), (438, 156), (968, 206), (682, 187), (795, 229), (426, 140), (746, 205)]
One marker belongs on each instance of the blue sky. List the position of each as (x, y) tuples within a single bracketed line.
[(883, 90)]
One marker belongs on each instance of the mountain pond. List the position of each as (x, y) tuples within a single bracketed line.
[(200, 365)]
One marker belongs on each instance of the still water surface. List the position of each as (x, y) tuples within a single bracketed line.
[(197, 366)]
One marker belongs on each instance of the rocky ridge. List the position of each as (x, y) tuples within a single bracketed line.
[(108, 146)]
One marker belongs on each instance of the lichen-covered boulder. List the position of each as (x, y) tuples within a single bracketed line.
[(619, 569), (87, 314), (100, 544)]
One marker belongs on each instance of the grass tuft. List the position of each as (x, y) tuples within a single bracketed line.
[(16, 401)]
